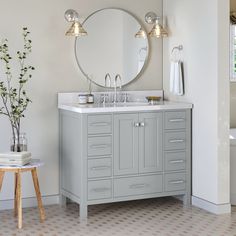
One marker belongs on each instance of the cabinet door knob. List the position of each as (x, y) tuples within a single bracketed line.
[(142, 124), (136, 124)]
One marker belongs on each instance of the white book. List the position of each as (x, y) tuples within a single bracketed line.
[(13, 162), (7, 159), (15, 155)]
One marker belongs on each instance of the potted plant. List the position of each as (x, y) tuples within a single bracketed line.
[(13, 95)]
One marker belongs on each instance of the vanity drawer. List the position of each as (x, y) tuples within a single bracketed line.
[(137, 185), (175, 161), (175, 120), (175, 140), (100, 146), (175, 182), (99, 189), (99, 168), (99, 124)]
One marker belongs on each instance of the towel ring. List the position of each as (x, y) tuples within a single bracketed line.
[(179, 48)]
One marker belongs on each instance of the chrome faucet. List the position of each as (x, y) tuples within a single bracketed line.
[(108, 78), (115, 87)]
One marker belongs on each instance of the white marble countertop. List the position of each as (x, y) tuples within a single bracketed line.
[(122, 107)]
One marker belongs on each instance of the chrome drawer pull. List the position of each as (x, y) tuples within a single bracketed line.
[(98, 124), (177, 182), (100, 167), (176, 161), (137, 186), (136, 124), (176, 120), (100, 190), (176, 141), (98, 146)]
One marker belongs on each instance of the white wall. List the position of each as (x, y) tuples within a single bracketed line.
[(233, 85), (56, 71), (202, 27)]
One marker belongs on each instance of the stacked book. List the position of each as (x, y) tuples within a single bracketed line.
[(15, 158)]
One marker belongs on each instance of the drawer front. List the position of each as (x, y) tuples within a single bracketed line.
[(137, 185), (99, 189), (175, 182), (100, 146), (175, 120), (99, 167), (175, 161), (175, 140), (99, 124)]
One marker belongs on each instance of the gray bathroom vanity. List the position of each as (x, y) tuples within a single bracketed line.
[(119, 153)]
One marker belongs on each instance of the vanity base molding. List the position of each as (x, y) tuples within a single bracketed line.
[(113, 157)]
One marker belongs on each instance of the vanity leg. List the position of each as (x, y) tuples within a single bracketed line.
[(187, 199), (83, 211), (63, 200)]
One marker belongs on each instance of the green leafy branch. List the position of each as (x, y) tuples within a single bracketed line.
[(14, 99)]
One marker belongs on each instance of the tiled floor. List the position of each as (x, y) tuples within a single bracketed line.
[(163, 216)]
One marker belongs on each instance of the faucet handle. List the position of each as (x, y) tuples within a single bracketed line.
[(125, 97), (103, 98)]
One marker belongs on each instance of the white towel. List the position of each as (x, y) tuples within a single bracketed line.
[(176, 78)]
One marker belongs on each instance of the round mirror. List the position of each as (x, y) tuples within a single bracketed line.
[(111, 46)]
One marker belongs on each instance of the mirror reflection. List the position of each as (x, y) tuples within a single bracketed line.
[(111, 47)]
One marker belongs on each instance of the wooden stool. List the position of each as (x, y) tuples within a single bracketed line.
[(17, 196)]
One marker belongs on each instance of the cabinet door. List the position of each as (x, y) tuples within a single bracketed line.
[(126, 134), (150, 142)]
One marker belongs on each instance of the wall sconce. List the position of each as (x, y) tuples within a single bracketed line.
[(140, 34), (76, 28), (157, 31)]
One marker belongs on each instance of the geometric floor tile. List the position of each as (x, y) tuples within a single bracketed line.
[(150, 217)]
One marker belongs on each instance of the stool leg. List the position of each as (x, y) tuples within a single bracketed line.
[(1, 178), (15, 196), (19, 200), (38, 194)]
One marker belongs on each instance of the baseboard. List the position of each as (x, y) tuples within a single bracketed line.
[(30, 202), (211, 207)]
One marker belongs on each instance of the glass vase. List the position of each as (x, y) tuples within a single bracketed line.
[(19, 144)]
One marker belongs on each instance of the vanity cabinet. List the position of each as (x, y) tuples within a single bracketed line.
[(110, 157)]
